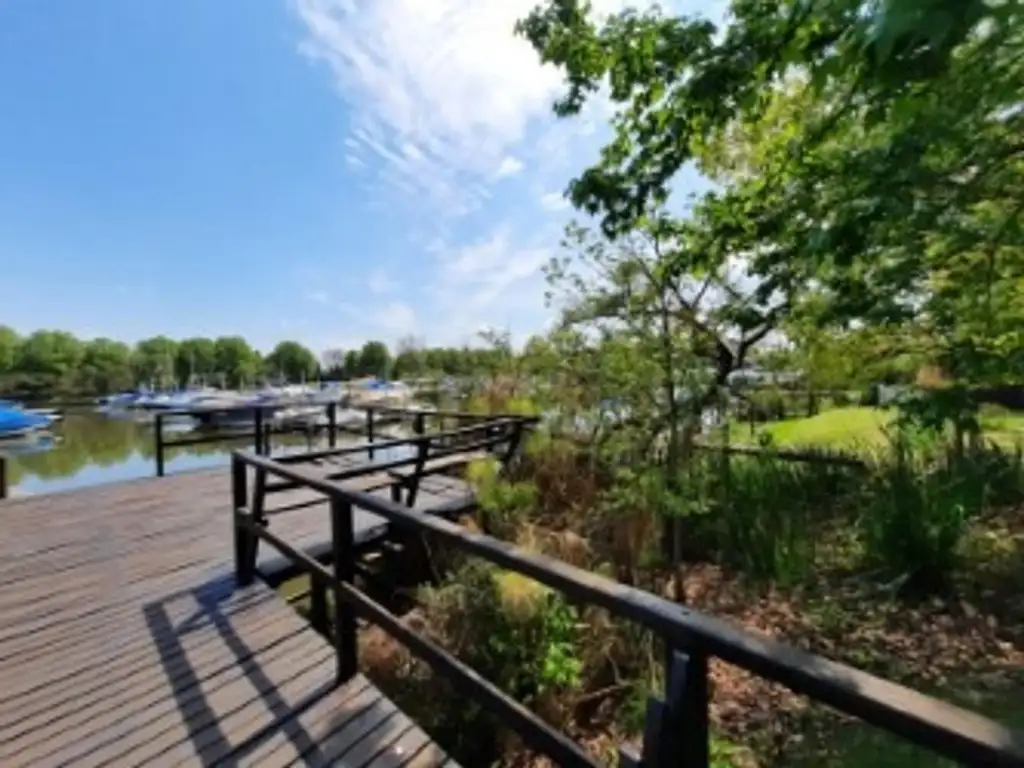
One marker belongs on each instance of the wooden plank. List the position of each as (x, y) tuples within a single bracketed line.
[(312, 724), (211, 716), (124, 641), (104, 665), (62, 711)]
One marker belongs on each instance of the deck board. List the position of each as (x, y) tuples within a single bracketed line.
[(124, 641)]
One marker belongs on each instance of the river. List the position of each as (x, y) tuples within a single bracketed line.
[(91, 449)]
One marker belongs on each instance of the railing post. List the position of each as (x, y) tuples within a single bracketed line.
[(318, 606), (417, 423), (369, 432), (514, 440), (3, 477), (345, 626), (332, 425), (242, 535), (687, 696), (258, 429), (268, 430), (158, 427), (422, 452), (676, 733)]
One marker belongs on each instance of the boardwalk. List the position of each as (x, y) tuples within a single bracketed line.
[(123, 641)]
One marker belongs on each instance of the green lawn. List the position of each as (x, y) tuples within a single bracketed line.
[(861, 428), (851, 428)]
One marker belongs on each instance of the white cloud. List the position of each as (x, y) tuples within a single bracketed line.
[(445, 105), (319, 297), (441, 91), (493, 281), (510, 166), (554, 201)]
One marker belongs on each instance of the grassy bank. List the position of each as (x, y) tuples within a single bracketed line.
[(863, 428)]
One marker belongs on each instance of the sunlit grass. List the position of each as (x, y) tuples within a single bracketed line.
[(862, 428), (853, 427)]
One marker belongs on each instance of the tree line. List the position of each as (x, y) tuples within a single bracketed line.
[(54, 363)]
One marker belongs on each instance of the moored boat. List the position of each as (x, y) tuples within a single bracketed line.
[(17, 423)]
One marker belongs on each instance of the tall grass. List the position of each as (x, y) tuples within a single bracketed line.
[(909, 509), (761, 514), (920, 498)]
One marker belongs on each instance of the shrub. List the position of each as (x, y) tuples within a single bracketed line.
[(759, 513), (916, 512), (514, 632), (841, 398), (504, 506), (870, 396)]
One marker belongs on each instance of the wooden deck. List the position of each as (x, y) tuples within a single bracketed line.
[(123, 641)]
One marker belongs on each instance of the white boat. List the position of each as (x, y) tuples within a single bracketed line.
[(351, 418), (53, 414), (223, 410), (375, 392), (300, 416)]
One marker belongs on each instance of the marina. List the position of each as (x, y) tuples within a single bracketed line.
[(114, 439)]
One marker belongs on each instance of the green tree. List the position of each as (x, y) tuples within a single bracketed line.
[(155, 361), (106, 367), (374, 359), (50, 360), (197, 357), (9, 343), (291, 360), (237, 362), (410, 358), (867, 157), (351, 363)]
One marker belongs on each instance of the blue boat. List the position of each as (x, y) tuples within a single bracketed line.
[(15, 422)]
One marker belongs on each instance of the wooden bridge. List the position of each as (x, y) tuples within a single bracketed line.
[(135, 627)]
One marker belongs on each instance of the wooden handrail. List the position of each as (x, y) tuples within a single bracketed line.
[(260, 430), (694, 637)]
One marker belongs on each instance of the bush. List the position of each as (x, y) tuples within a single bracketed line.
[(871, 396), (504, 506), (918, 504), (841, 399), (514, 632), (759, 513)]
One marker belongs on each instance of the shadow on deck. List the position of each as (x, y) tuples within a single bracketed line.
[(257, 697)]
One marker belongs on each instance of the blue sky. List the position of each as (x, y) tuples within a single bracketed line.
[(325, 170)]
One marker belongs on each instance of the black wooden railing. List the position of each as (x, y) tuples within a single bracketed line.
[(677, 728), (257, 427)]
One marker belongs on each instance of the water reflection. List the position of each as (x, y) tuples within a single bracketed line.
[(90, 449)]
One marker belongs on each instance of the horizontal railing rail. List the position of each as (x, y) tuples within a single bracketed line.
[(424, 447), (678, 730), (260, 427)]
